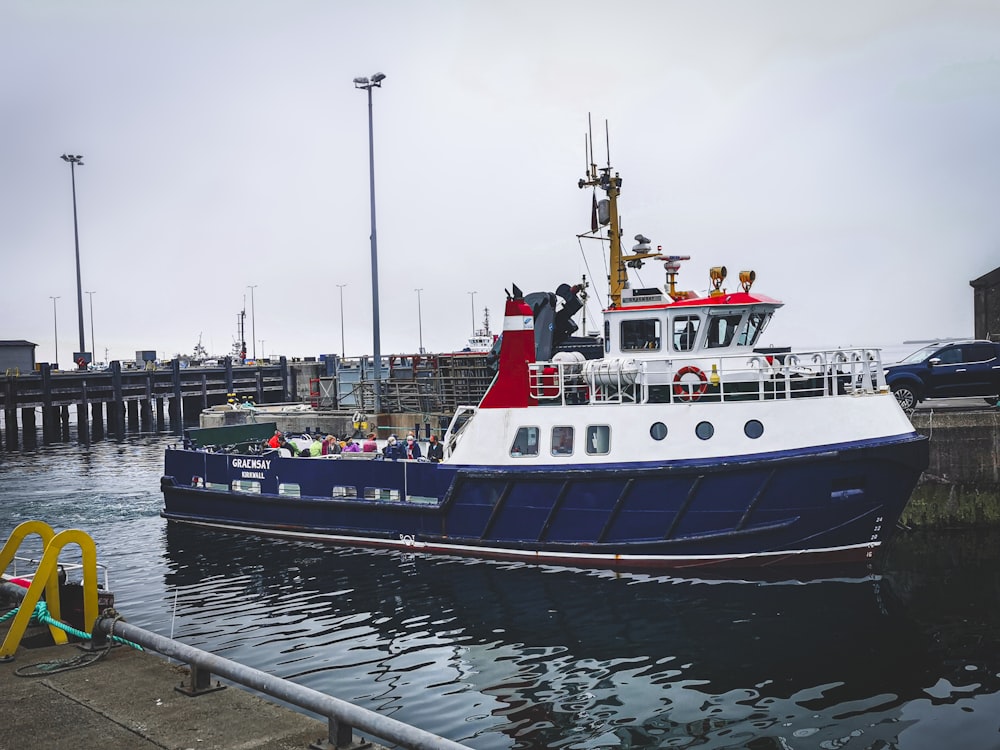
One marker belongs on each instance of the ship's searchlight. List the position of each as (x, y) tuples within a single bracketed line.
[(718, 275)]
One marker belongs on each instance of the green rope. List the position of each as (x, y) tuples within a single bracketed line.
[(41, 616)]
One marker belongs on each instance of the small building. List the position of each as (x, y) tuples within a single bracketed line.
[(17, 356), (986, 305)]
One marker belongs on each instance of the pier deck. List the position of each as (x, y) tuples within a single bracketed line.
[(127, 701)]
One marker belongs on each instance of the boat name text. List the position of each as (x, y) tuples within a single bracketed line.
[(252, 463)]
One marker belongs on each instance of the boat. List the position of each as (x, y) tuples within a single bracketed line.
[(671, 441), (482, 340)]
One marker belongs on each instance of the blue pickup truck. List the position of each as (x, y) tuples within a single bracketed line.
[(949, 369)]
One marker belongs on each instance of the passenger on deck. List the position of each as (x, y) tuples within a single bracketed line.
[(412, 449), (316, 447), (370, 446), (435, 451), (350, 446), (276, 439), (330, 446), (392, 448)]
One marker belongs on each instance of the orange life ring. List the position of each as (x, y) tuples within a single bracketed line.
[(682, 392)]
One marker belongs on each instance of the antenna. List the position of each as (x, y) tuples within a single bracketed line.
[(590, 131), (607, 139)]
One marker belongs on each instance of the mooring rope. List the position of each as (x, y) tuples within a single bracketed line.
[(41, 616)]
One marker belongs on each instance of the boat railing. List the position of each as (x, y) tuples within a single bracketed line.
[(759, 377), (30, 565)]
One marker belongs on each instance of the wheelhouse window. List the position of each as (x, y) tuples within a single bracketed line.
[(721, 329), (598, 439), (640, 334), (525, 442), (562, 441), (752, 328), (685, 332)]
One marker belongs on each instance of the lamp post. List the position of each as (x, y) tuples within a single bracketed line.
[(368, 84), (55, 328), (75, 160), (473, 294), (93, 346), (253, 322), (420, 321), (342, 351)]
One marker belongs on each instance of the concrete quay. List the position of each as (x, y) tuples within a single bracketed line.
[(961, 486), (127, 701)]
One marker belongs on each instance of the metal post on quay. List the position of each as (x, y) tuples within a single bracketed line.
[(342, 717), (367, 84)]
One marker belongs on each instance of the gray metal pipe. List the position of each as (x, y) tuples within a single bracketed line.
[(380, 726)]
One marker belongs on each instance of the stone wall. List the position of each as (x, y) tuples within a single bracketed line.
[(961, 486)]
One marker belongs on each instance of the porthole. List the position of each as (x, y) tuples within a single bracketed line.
[(753, 429), (704, 430), (658, 431)]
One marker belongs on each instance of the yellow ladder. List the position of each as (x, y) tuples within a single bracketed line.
[(46, 578)]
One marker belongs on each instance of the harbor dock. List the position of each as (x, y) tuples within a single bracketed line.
[(127, 701)]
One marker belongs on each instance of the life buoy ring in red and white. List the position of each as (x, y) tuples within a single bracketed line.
[(683, 391)]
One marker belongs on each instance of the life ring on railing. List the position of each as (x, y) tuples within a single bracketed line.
[(682, 391)]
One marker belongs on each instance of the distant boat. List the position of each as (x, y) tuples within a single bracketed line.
[(482, 340), (672, 441)]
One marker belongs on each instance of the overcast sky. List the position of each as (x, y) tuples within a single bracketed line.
[(846, 151)]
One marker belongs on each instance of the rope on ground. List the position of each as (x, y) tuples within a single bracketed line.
[(43, 668), (41, 616)]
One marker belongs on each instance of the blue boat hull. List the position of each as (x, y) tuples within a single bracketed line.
[(834, 504)]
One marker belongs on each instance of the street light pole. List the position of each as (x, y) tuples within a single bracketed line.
[(93, 345), (368, 84), (55, 328), (73, 160), (420, 321), (473, 294), (342, 351), (253, 322)]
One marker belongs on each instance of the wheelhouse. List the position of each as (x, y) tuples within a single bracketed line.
[(720, 324)]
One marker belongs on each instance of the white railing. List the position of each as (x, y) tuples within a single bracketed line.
[(758, 377), (32, 566)]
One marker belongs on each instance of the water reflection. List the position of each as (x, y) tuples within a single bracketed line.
[(517, 656)]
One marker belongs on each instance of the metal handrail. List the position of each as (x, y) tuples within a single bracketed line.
[(342, 717)]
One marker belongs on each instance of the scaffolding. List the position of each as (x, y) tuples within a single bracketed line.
[(419, 384)]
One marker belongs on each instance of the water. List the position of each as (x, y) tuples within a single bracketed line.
[(511, 656)]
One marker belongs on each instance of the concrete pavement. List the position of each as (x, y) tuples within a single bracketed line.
[(127, 701)]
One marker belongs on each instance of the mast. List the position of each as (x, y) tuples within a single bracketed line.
[(608, 216)]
